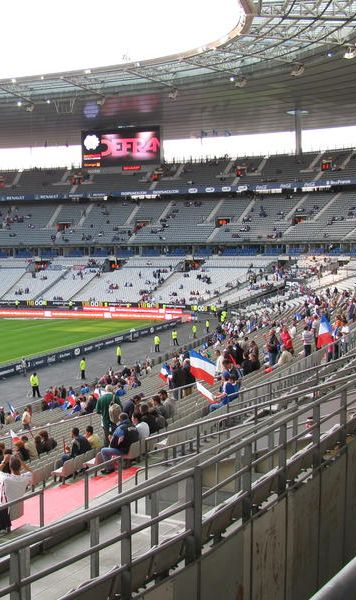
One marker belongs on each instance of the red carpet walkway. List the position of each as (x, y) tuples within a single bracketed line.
[(65, 499)]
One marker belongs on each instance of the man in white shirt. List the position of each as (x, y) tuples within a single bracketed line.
[(142, 427), (14, 485)]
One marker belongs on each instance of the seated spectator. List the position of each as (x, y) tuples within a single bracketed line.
[(21, 451), (124, 435), (30, 446), (80, 445), (142, 427), (93, 438), (90, 404), (229, 392), (149, 418), (77, 409), (47, 443)]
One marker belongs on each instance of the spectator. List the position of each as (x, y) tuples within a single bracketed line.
[(47, 443), (307, 337), (27, 417), (124, 435), (93, 438), (141, 426), (102, 408), (13, 486), (168, 403), (30, 446), (149, 418), (229, 392), (21, 451), (189, 378), (272, 347), (80, 445)]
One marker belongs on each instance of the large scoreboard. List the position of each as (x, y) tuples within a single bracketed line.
[(121, 147)]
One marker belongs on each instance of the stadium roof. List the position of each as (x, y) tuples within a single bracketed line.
[(278, 56)]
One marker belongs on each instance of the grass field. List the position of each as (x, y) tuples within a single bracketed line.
[(29, 337)]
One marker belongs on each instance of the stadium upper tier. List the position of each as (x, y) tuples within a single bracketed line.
[(209, 173)]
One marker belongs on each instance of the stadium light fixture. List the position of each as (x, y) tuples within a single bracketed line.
[(87, 71), (232, 78), (350, 52), (48, 101), (30, 108), (173, 95), (19, 103), (297, 70)]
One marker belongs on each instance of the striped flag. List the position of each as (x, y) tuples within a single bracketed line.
[(205, 392), (15, 438), (165, 372), (201, 367), (325, 336)]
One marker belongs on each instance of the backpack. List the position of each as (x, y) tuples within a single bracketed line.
[(115, 410)]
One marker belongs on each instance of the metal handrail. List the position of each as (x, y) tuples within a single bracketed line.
[(191, 503)]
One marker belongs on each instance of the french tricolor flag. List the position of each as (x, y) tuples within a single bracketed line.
[(165, 372), (325, 336), (201, 367), (15, 438)]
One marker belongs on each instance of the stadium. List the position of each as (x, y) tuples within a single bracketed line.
[(178, 301)]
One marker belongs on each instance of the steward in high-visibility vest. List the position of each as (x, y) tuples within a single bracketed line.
[(119, 355), (207, 325), (194, 330), (156, 342), (175, 337), (35, 384), (82, 367)]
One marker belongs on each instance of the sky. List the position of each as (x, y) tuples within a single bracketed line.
[(78, 35)]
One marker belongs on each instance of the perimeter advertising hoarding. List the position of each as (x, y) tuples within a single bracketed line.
[(120, 147)]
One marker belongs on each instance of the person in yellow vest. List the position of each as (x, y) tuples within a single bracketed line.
[(175, 337), (82, 367), (207, 325), (156, 342), (194, 330), (35, 384), (119, 354)]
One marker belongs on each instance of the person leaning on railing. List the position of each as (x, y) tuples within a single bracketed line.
[(13, 486)]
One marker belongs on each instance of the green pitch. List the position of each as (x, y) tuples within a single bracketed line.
[(25, 338)]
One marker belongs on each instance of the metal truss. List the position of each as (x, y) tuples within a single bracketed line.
[(271, 33)]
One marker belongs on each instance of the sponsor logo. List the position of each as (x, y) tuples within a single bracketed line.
[(88, 348), (76, 351), (226, 188), (152, 330), (51, 359), (192, 191), (210, 189), (119, 338), (64, 355)]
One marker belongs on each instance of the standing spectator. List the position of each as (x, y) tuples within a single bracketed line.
[(272, 347), (315, 329), (118, 354), (189, 378), (167, 402), (307, 337), (27, 417), (35, 385), (345, 330), (177, 379), (156, 342), (82, 367), (102, 408), (23, 366), (194, 331), (13, 486)]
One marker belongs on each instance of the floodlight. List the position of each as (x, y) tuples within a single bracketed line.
[(350, 53), (297, 70), (241, 82)]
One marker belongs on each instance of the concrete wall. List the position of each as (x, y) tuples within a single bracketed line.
[(284, 553)]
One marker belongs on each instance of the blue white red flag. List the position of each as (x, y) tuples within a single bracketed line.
[(325, 335), (165, 372), (201, 367)]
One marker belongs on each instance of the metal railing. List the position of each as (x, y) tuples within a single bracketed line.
[(191, 503)]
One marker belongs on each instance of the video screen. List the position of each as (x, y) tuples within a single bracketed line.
[(129, 146)]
